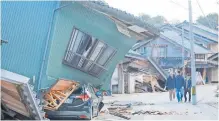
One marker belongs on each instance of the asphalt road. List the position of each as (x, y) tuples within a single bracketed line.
[(156, 106)]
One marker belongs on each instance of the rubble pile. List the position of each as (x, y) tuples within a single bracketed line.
[(126, 112), (149, 83), (120, 112), (156, 113), (133, 104)]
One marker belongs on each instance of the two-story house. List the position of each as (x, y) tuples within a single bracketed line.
[(207, 38)]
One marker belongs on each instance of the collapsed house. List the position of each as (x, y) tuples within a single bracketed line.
[(71, 40), (138, 75)]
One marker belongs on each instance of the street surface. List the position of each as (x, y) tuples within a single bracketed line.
[(156, 106)]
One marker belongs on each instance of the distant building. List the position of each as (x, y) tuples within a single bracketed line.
[(166, 51), (207, 38)]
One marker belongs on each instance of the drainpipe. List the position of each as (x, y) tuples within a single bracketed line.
[(46, 47)]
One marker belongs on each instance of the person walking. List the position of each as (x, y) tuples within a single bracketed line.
[(179, 84), (170, 85), (187, 87)]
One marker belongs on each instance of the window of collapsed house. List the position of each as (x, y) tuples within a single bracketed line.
[(88, 53)]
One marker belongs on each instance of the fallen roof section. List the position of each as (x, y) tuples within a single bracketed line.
[(25, 101), (138, 56)]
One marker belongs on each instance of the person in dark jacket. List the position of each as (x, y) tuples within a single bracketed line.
[(187, 87), (170, 85), (179, 84)]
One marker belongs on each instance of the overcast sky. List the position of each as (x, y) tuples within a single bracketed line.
[(170, 9)]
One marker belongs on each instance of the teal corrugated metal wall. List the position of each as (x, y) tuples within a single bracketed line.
[(25, 25), (92, 23)]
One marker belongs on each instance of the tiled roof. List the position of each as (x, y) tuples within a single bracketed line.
[(121, 15), (206, 28), (177, 39), (202, 28), (171, 34)]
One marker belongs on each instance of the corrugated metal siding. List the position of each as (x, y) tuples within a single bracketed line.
[(92, 23), (25, 25)]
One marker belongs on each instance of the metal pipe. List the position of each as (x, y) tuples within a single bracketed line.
[(46, 47)]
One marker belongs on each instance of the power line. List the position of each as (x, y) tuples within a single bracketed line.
[(186, 8), (179, 5), (210, 25), (208, 21)]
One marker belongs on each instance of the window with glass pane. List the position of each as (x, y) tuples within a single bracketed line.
[(162, 52), (199, 56), (145, 50), (87, 53)]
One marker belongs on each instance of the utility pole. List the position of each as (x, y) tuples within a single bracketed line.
[(121, 83), (193, 69), (183, 69)]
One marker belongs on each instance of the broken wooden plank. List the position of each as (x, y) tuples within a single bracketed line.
[(49, 108), (62, 101), (50, 99), (60, 93), (119, 115), (63, 84), (54, 96)]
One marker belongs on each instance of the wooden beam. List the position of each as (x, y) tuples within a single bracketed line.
[(56, 96), (64, 96), (49, 108), (63, 84), (67, 95), (60, 93), (50, 98)]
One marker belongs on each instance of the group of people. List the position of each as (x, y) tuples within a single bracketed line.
[(179, 85)]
